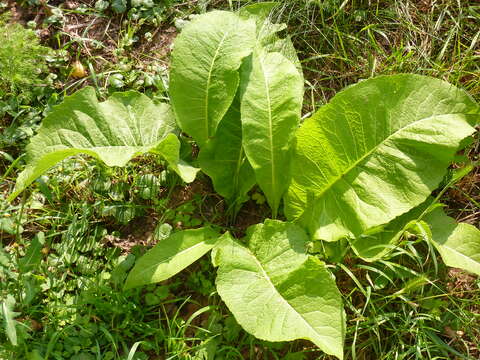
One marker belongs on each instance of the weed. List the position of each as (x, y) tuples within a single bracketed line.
[(22, 59)]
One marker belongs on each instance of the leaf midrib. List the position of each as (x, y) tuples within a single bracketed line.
[(270, 133), (207, 91)]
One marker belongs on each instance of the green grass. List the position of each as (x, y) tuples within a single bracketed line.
[(94, 220), (403, 310), (341, 42)]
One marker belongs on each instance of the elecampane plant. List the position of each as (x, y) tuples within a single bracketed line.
[(361, 169)]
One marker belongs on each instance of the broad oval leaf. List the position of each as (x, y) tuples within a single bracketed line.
[(276, 291), (114, 131), (224, 160), (204, 70), (171, 255), (377, 150), (457, 243), (271, 102)]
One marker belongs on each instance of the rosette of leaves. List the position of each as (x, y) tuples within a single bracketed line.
[(361, 169), (114, 131)]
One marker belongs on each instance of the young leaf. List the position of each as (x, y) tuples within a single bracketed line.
[(5, 258), (261, 14), (457, 243), (169, 149), (9, 319), (223, 157), (126, 125), (171, 255), (276, 291), (271, 101), (204, 70), (267, 32), (258, 12), (33, 257), (286, 48), (377, 150), (224, 160)]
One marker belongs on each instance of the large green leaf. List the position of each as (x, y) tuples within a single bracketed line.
[(378, 242), (457, 243), (224, 160), (271, 102), (126, 125), (377, 150), (171, 255), (223, 157), (276, 291), (204, 70)]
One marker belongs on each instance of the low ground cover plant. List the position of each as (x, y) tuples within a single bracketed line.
[(22, 58), (23, 76), (357, 174)]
